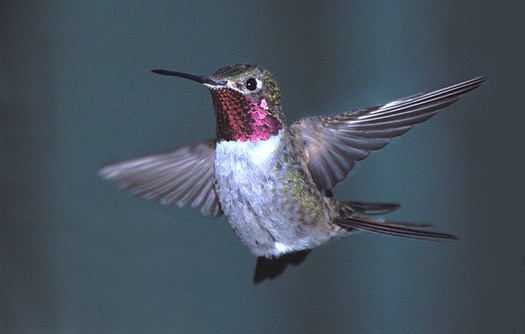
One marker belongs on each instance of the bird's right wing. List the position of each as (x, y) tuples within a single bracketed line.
[(182, 176)]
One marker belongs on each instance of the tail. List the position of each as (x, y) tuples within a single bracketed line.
[(369, 208), (351, 218), (271, 268)]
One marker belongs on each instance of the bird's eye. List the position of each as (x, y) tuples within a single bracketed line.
[(251, 84)]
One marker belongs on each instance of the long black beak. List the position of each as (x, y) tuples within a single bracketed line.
[(199, 78)]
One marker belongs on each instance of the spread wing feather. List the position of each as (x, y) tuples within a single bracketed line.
[(182, 176), (334, 143)]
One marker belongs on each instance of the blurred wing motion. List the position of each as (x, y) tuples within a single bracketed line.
[(334, 143), (183, 176)]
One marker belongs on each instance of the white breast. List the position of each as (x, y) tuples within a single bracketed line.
[(250, 191), (240, 160)]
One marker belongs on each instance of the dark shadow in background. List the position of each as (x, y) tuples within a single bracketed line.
[(27, 150)]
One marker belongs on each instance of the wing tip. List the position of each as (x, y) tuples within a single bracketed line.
[(108, 172)]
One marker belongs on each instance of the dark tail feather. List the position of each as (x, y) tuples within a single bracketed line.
[(271, 268), (391, 228), (370, 208)]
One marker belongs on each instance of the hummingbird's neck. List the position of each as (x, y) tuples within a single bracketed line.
[(242, 119)]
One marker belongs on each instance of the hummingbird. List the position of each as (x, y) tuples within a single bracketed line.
[(272, 181)]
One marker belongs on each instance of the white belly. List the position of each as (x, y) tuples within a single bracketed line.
[(250, 191)]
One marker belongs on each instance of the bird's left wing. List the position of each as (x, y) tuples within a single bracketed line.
[(333, 144), (182, 176)]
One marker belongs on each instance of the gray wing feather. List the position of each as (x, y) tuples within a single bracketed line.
[(334, 143), (182, 176)]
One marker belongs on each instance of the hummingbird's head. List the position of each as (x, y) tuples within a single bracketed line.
[(247, 101)]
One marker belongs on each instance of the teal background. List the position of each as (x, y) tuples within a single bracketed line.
[(77, 255)]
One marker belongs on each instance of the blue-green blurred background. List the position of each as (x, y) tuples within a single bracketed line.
[(80, 256)]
